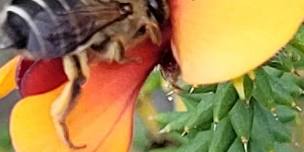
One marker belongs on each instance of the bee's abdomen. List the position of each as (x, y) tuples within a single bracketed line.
[(29, 24), (16, 27)]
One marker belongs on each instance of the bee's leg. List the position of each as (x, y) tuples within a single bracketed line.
[(115, 49), (110, 49), (82, 58), (152, 29), (76, 69)]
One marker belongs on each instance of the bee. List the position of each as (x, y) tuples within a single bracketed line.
[(72, 29), (41, 29)]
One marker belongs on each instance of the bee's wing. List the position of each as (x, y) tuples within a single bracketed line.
[(103, 14), (71, 29)]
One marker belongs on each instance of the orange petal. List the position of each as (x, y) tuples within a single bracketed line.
[(31, 126), (218, 40), (7, 77), (32, 129), (109, 97), (103, 117)]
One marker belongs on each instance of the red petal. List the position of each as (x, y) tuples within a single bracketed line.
[(24, 65), (40, 76)]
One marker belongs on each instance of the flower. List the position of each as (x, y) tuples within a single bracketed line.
[(219, 40), (213, 41)]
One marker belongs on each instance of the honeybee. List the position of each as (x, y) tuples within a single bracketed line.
[(70, 29), (53, 28)]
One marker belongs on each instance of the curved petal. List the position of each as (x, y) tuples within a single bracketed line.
[(24, 65), (218, 40), (103, 117), (36, 77), (38, 134), (31, 126), (7, 77)]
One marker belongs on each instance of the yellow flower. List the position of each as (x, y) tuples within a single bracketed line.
[(219, 40)]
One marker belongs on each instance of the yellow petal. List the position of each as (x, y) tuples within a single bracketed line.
[(101, 128), (219, 40), (7, 77), (31, 126)]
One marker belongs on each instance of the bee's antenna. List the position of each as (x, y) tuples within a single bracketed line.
[(24, 15)]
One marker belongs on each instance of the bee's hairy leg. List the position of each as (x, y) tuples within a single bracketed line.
[(83, 64), (152, 29), (115, 49), (76, 69)]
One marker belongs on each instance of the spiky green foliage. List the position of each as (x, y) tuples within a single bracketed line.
[(218, 120)]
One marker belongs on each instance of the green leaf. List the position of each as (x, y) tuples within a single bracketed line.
[(195, 97), (260, 133), (296, 55), (223, 136), (255, 146), (263, 92), (203, 113), (177, 124), (237, 146), (189, 102), (285, 113), (282, 62), (177, 137), (290, 84), (205, 89), (241, 119), (280, 94), (272, 71), (248, 85), (278, 130), (298, 40), (165, 118), (224, 99), (199, 144)]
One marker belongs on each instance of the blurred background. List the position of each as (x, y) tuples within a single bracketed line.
[(6, 105)]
